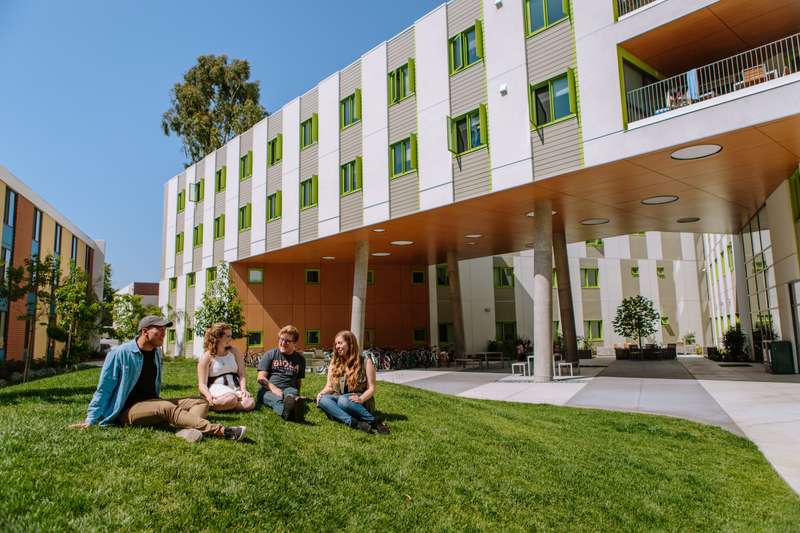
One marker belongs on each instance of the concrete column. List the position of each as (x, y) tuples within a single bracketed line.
[(543, 291), (565, 296), (740, 286), (455, 302), (359, 309)]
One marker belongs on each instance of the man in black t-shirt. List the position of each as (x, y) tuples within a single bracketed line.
[(280, 373)]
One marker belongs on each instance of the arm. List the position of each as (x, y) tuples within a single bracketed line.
[(202, 377), (106, 386), (242, 371), (371, 379), (328, 388), (263, 379)]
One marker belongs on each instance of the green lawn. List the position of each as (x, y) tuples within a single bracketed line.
[(449, 464)]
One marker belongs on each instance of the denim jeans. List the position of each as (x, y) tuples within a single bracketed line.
[(271, 400), (344, 410)]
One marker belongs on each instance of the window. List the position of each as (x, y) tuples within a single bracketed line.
[(664, 320), (173, 284), (191, 279), (37, 225), (219, 227), (350, 110), (9, 217), (308, 192), (635, 272), (188, 334), (245, 217), (468, 131), (418, 277), (590, 278), (466, 48), (255, 275), (553, 100), (403, 156), (312, 276), (57, 240), (446, 333), (197, 235), (170, 336), (661, 273), (555, 279), (595, 243), (350, 176), (442, 276), (420, 335), (402, 82), (255, 339), (370, 277), (505, 331), (179, 243), (274, 206), (181, 201), (593, 330), (275, 150), (246, 166), (73, 251), (556, 328), (312, 337), (197, 191), (211, 275), (540, 14), (309, 131), (220, 177), (730, 257), (503, 277)]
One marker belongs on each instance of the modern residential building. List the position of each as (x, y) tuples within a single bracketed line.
[(147, 291), (33, 228), (525, 124)]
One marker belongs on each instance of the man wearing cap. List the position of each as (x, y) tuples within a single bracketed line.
[(129, 389)]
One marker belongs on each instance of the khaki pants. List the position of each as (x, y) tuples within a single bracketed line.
[(182, 413)]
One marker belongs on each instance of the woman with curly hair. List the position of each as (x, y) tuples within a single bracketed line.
[(349, 394), (221, 372)]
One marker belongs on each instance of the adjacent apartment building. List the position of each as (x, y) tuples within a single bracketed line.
[(640, 125)]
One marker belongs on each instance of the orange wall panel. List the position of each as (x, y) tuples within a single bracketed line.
[(23, 235)]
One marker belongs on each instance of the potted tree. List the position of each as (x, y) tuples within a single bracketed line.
[(636, 318), (734, 343)]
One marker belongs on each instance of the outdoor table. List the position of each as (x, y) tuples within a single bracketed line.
[(486, 357)]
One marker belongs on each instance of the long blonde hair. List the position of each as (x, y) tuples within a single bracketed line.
[(349, 363), (212, 337)]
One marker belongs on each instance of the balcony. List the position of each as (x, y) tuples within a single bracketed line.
[(735, 73), (627, 6)]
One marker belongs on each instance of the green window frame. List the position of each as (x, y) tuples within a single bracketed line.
[(197, 235), (729, 251), (546, 100), (191, 279), (246, 166), (541, 14), (275, 150), (313, 276), (219, 227), (556, 328), (661, 272), (403, 156), (255, 275), (420, 336), (554, 280), (593, 330), (503, 277), (417, 277), (350, 176), (664, 320), (309, 131), (402, 82), (173, 284), (181, 200), (211, 275), (245, 217), (723, 262), (170, 336), (197, 191), (179, 243), (505, 331), (370, 277), (590, 278), (274, 202), (350, 110), (188, 334), (595, 243), (468, 132), (635, 271), (312, 337), (308, 192), (442, 276), (220, 179), (466, 48), (255, 339)]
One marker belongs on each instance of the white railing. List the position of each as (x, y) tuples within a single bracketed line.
[(749, 68), (626, 6)]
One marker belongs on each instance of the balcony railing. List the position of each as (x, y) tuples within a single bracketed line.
[(626, 6), (747, 69)]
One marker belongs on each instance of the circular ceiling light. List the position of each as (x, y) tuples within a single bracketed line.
[(328, 257), (473, 235), (697, 151), (660, 200), (470, 243), (688, 220), (401, 243), (532, 214), (594, 221), (529, 245), (379, 230), (380, 254)]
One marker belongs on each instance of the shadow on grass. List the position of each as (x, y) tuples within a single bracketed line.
[(390, 417), (60, 395)]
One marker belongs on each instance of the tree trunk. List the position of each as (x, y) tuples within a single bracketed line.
[(30, 348)]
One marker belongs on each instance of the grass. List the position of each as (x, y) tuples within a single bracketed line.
[(450, 464)]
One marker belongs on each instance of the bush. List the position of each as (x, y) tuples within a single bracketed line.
[(734, 343)]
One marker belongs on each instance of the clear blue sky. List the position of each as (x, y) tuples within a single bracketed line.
[(83, 85)]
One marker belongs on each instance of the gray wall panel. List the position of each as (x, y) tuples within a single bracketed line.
[(309, 224), (219, 251), (399, 49), (638, 246), (350, 79), (197, 258), (274, 178), (467, 89), (630, 285), (245, 192), (275, 124), (350, 143), (351, 213), (221, 159), (190, 301), (561, 151), (671, 246), (245, 144), (402, 119), (273, 235), (471, 174), (309, 162), (179, 221), (308, 104), (179, 265), (505, 310), (244, 244), (219, 203), (404, 195), (550, 52), (461, 14)]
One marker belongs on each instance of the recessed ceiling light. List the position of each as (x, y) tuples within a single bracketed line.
[(532, 214), (473, 235), (328, 257), (380, 254), (470, 243), (687, 220), (697, 151), (660, 200), (529, 245), (378, 230), (401, 243), (594, 221)]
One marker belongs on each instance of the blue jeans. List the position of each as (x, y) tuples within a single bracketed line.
[(344, 410), (271, 400)]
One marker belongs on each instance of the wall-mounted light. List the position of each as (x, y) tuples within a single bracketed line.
[(503, 89), (498, 3)]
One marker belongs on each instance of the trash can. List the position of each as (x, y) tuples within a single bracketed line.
[(780, 357)]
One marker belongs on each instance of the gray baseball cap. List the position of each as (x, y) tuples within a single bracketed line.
[(152, 320)]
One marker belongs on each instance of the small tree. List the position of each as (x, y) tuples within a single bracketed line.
[(220, 304), (636, 318), (77, 309), (734, 342), (126, 312)]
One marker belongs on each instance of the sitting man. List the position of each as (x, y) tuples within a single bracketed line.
[(280, 372), (129, 391)]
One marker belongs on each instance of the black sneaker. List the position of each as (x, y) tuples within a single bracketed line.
[(299, 411), (289, 403), (360, 424), (234, 432), (381, 428)]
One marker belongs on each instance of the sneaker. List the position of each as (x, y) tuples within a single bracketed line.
[(234, 432), (381, 428), (299, 411), (190, 435), (289, 402), (360, 424)]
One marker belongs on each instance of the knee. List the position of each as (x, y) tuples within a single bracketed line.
[(327, 401), (344, 401)]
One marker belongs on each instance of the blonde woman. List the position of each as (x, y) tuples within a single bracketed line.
[(221, 372), (349, 394)]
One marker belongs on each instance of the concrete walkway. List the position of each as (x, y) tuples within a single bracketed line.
[(744, 400)]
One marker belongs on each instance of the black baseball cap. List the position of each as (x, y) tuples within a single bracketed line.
[(152, 320)]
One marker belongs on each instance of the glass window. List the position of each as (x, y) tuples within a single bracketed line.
[(560, 97), (211, 274), (590, 277), (456, 52), (541, 99), (505, 331), (467, 132), (472, 46), (197, 235), (446, 334), (57, 240), (312, 276), (307, 193), (420, 335), (442, 276), (503, 277), (273, 206), (10, 208), (245, 217), (255, 275), (661, 273), (349, 111), (312, 337), (370, 277), (219, 179), (274, 150), (399, 86), (551, 100), (555, 10), (465, 49), (535, 15), (593, 330), (401, 157), (306, 133), (635, 272), (418, 277), (349, 177), (190, 279), (173, 284), (255, 339)]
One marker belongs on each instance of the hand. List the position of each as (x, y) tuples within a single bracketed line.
[(319, 396), (79, 425), (356, 398), (210, 401), (245, 394)]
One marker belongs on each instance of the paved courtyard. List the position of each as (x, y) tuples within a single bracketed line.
[(745, 400)]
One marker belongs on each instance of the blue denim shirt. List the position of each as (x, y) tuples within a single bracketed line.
[(121, 371)]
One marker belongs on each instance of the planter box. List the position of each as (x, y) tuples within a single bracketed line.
[(584, 354)]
